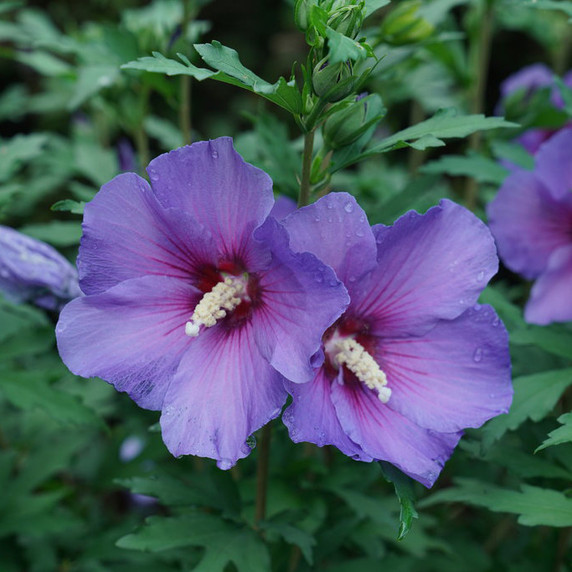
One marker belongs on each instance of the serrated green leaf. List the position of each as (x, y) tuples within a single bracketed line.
[(534, 397), (343, 49), (91, 79), (67, 205), (444, 124), (229, 70), (561, 435), (480, 168), (404, 490), (535, 506), (224, 542)]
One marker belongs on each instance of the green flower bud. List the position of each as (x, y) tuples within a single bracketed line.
[(403, 25), (347, 20), (302, 12), (333, 82), (354, 121)]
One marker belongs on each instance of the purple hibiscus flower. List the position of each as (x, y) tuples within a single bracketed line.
[(413, 360), (33, 271), (195, 305), (531, 219)]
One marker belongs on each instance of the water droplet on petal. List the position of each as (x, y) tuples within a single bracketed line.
[(348, 207), (480, 276), (478, 355), (352, 278), (317, 218), (496, 321), (359, 233), (214, 154)]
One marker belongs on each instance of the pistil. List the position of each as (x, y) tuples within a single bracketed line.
[(214, 305), (356, 358)]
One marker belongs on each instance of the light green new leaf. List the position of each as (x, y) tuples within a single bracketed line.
[(534, 397), (535, 506), (67, 205), (561, 435), (160, 64), (224, 542)]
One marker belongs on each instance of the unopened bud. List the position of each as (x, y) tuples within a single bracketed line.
[(354, 121), (333, 82), (302, 10), (348, 20), (404, 24)]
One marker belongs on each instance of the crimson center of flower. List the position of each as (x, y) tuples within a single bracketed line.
[(346, 351), (224, 297)]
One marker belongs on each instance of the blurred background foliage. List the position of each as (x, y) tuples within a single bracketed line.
[(82, 467)]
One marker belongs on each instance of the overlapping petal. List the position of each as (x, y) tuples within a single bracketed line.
[(429, 267), (528, 223), (387, 435), (300, 298), (336, 230), (132, 335), (212, 183), (312, 417), (128, 234), (553, 166), (455, 376), (551, 296), (223, 391)]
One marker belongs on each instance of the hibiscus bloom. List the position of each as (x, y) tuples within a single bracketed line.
[(195, 305), (531, 219), (33, 271), (413, 360)]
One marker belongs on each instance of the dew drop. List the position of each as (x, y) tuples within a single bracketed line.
[(480, 276), (153, 176), (496, 322), (478, 355), (318, 277), (359, 233), (317, 218), (214, 154), (348, 207), (330, 205), (352, 278)]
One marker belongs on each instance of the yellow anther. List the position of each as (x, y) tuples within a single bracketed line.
[(356, 358), (214, 305)]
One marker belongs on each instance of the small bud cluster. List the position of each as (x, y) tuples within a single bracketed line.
[(356, 358), (214, 305)]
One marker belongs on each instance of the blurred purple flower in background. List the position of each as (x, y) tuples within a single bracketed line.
[(32, 271), (195, 305), (530, 79), (413, 360), (531, 219)]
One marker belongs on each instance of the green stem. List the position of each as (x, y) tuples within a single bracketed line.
[(262, 473), (304, 198), (185, 109), (480, 58)]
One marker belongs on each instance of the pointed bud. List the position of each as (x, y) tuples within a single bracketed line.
[(404, 24), (333, 82)]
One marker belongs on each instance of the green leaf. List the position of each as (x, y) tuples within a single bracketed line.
[(565, 7), (534, 397), (29, 391), (91, 79), (57, 232), (160, 64), (372, 5), (513, 152), (224, 542), (404, 490), (555, 342), (67, 205), (444, 124), (478, 167), (343, 49), (535, 506), (561, 435), (292, 535), (15, 152), (226, 60), (229, 70)]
